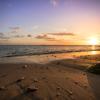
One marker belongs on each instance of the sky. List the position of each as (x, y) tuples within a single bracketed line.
[(49, 22)]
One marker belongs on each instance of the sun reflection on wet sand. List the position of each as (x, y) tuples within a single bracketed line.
[(93, 48), (93, 52)]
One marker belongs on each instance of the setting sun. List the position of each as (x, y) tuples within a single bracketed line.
[(93, 41)]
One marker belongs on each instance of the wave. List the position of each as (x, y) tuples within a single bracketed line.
[(15, 54)]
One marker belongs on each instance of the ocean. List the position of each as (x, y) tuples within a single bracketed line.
[(27, 50)]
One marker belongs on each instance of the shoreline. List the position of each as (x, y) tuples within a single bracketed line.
[(48, 57), (53, 52)]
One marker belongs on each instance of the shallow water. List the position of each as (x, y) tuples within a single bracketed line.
[(46, 57), (16, 50)]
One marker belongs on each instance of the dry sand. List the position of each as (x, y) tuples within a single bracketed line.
[(56, 80)]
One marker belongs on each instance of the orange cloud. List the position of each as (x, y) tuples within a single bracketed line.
[(46, 37), (62, 33)]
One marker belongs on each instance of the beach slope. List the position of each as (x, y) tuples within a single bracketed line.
[(56, 80)]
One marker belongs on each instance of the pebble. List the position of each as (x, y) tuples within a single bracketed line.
[(70, 92), (76, 82), (67, 77), (85, 86), (58, 63), (19, 80), (2, 88), (43, 77), (35, 80), (84, 74), (47, 67), (25, 66), (58, 94), (32, 89), (72, 98), (58, 88)]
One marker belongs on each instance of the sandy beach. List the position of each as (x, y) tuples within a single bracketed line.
[(49, 49), (56, 80)]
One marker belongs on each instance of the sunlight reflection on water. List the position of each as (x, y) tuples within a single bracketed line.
[(93, 52), (93, 47)]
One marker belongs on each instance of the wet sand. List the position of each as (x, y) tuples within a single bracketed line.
[(47, 57), (56, 80)]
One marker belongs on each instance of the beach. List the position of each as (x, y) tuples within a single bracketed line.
[(62, 79), (49, 50)]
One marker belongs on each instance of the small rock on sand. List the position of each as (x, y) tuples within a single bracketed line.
[(47, 67), (67, 77), (85, 86), (35, 80), (58, 88), (70, 92), (58, 63), (58, 94), (43, 77), (84, 74), (76, 82), (2, 88), (25, 66), (19, 80), (32, 89)]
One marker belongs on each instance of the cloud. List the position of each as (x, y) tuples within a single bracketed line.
[(46, 37), (18, 32), (62, 34), (15, 28), (13, 31), (29, 35), (35, 27), (2, 36), (53, 36), (8, 36), (54, 2), (22, 36), (18, 36)]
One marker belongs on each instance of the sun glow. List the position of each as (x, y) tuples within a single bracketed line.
[(93, 41)]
